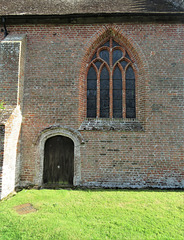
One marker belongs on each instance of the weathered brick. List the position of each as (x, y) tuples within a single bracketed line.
[(149, 154)]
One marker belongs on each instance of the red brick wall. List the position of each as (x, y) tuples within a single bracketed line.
[(54, 94)]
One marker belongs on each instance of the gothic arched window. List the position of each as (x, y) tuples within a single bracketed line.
[(111, 83)]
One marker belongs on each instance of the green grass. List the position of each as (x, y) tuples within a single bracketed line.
[(94, 214)]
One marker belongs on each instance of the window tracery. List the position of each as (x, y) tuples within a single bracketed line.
[(111, 83)]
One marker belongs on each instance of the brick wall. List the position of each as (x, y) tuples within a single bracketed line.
[(9, 72), (54, 94)]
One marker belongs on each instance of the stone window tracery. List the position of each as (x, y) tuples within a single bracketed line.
[(111, 83)]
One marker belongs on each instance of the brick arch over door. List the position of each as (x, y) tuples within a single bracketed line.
[(77, 139)]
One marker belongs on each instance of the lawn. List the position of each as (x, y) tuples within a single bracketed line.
[(94, 214)]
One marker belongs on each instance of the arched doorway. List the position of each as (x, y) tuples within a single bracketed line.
[(58, 166)]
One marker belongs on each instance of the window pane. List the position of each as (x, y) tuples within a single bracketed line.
[(117, 73), (117, 93), (123, 64), (91, 113), (98, 64), (117, 54), (104, 84), (114, 44), (130, 73), (91, 108), (91, 74), (91, 104), (91, 84), (130, 113), (117, 104), (104, 74), (91, 93), (104, 108), (104, 114), (130, 103), (130, 93), (104, 54), (130, 84), (117, 113), (104, 93), (107, 44), (117, 84), (104, 104)]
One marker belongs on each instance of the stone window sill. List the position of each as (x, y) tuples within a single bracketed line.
[(103, 124)]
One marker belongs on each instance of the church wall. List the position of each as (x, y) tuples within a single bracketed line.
[(148, 158)]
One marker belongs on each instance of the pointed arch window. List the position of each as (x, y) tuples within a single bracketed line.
[(111, 83)]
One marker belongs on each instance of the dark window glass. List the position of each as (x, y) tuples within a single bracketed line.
[(91, 74), (123, 64), (130, 113), (130, 84), (130, 103), (117, 104), (104, 93), (98, 64), (104, 108), (117, 93), (130, 93), (130, 73), (91, 93), (107, 44), (117, 54), (115, 44), (117, 74), (117, 113), (91, 84), (104, 54), (104, 74), (92, 104), (91, 113)]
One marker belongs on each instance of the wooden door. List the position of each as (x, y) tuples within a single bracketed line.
[(58, 161)]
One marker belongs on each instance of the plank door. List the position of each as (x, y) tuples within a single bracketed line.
[(58, 161)]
